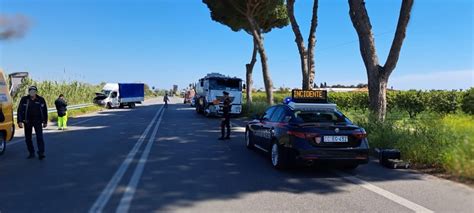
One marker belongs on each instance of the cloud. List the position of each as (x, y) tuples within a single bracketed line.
[(456, 79), (13, 26)]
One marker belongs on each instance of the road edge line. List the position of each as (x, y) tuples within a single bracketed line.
[(384, 193)]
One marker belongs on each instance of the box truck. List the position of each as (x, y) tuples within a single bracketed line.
[(119, 95)]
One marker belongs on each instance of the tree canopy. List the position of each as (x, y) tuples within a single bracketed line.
[(268, 14)]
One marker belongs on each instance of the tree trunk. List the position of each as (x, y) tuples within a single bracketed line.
[(312, 45), (263, 59), (377, 75), (378, 94), (299, 43), (266, 73), (248, 74)]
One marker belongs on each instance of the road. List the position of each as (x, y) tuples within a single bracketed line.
[(152, 159)]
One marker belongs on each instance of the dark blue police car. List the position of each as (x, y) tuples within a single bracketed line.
[(306, 128)]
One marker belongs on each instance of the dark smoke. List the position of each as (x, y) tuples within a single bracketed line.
[(13, 26)]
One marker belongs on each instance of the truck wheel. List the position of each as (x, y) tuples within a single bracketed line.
[(206, 112), (132, 105), (197, 109), (3, 144), (121, 106), (109, 105)]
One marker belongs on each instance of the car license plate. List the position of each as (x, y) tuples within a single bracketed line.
[(335, 139)]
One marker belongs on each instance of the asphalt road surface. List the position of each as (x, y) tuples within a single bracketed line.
[(152, 159)]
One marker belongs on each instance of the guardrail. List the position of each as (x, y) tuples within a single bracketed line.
[(77, 106)]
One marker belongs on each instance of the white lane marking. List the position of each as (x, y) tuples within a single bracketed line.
[(391, 196), (104, 197), (127, 197)]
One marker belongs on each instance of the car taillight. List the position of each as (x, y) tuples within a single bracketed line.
[(303, 135), (361, 134)]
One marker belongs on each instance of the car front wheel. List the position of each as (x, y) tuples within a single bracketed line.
[(248, 140)]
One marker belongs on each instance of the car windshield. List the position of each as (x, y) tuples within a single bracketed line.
[(225, 84), (320, 116)]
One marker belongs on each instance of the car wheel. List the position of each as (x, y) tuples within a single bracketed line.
[(248, 141), (3, 145), (278, 157)]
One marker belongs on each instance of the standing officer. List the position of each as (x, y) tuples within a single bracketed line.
[(33, 113), (166, 99), (61, 108), (225, 123)]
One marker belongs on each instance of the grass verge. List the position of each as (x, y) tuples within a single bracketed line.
[(76, 112)]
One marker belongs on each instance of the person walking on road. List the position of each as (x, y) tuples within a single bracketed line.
[(166, 99), (61, 108), (225, 123), (33, 113)]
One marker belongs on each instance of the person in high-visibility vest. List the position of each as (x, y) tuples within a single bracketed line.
[(61, 108)]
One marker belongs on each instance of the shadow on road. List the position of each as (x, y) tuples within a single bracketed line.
[(188, 165)]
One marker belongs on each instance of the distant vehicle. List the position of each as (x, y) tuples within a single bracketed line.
[(189, 96), (7, 125), (119, 95), (175, 90), (308, 129), (209, 94)]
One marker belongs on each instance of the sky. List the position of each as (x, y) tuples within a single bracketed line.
[(166, 42)]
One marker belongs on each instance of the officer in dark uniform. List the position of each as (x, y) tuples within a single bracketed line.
[(225, 123), (33, 113)]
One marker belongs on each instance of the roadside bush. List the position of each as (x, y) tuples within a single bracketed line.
[(458, 158), (444, 102), (413, 102), (443, 141), (467, 103), (360, 101), (343, 100), (255, 108)]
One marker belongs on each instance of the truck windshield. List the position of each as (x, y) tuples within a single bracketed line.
[(106, 92), (225, 84)]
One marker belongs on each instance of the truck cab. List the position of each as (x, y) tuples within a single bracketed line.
[(209, 94), (7, 125)]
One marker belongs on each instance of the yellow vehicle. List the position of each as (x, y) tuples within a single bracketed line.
[(7, 125)]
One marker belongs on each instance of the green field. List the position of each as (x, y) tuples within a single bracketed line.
[(431, 128), (75, 92)]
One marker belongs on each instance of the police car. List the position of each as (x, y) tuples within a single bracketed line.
[(309, 129)]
